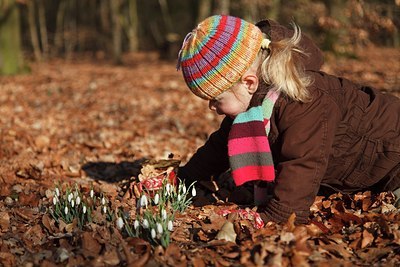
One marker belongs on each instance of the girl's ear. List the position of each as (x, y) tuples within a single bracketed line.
[(251, 82)]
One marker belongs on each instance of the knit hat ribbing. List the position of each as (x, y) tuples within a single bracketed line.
[(217, 53)]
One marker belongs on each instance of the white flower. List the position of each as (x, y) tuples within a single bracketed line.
[(143, 201), (55, 200), (120, 223), (103, 201), (57, 192), (105, 209), (194, 191), (168, 188), (170, 226), (72, 203), (84, 209), (136, 224), (159, 228), (179, 197), (145, 223), (156, 199), (91, 193), (78, 201), (70, 196), (153, 233), (164, 214), (66, 210), (183, 189)]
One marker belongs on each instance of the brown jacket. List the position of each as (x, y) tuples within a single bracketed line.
[(347, 138)]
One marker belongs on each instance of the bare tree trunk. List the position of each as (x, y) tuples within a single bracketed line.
[(132, 26), (204, 9), (250, 10), (43, 28), (117, 30), (71, 29), (33, 31), (274, 11), (223, 7), (104, 15), (11, 61), (335, 9), (166, 16), (59, 34)]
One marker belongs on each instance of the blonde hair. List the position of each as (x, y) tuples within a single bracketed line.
[(280, 67)]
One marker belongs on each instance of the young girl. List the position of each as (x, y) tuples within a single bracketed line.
[(287, 122)]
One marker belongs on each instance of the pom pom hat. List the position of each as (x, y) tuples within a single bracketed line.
[(217, 53)]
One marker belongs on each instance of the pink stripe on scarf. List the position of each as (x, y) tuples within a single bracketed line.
[(251, 173), (248, 145)]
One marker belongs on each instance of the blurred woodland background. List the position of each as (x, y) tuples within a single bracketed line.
[(42, 29)]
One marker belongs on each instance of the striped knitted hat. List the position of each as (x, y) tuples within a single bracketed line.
[(217, 53)]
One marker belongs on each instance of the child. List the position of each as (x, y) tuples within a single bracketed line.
[(286, 122)]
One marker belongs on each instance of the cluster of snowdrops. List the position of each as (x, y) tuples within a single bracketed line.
[(159, 198)]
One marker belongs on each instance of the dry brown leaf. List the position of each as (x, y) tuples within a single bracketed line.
[(227, 232), (4, 221), (90, 246), (111, 257), (367, 239), (49, 224), (34, 236), (338, 250), (174, 256), (198, 261), (290, 224), (372, 255)]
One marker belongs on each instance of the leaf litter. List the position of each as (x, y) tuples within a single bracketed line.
[(97, 124)]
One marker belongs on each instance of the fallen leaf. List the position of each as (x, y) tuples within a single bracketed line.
[(367, 239), (227, 232), (90, 246), (4, 221)]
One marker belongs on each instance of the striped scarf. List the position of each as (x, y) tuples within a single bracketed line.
[(249, 152)]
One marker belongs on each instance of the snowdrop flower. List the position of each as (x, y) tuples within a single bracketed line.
[(143, 201), (164, 214), (183, 189), (168, 189), (179, 197), (78, 201), (57, 192), (84, 209), (55, 200), (156, 199), (72, 203), (159, 228), (170, 226), (105, 209), (120, 223), (136, 224), (194, 191), (66, 210), (91, 193), (153, 233), (145, 223), (70, 196), (103, 201)]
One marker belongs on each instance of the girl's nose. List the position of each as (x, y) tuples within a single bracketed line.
[(211, 105)]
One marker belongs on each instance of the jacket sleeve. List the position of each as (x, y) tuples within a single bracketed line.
[(210, 159), (306, 133)]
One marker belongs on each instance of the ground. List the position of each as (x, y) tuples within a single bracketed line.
[(89, 122)]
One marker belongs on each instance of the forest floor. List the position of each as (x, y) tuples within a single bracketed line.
[(91, 123)]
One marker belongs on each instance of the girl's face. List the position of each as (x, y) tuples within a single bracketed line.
[(232, 102)]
